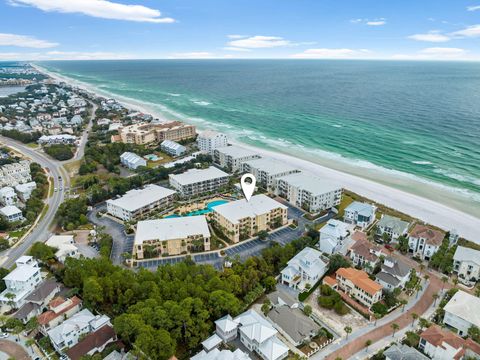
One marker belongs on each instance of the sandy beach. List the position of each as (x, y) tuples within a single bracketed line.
[(429, 211)]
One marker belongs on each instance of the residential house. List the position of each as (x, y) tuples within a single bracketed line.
[(334, 237), (394, 274), (58, 310), (37, 300), (93, 343), (307, 267), (67, 334), (173, 148), (309, 192), (424, 241), (210, 140), (461, 312), (196, 182), (132, 161), (365, 254), (441, 344), (226, 328), (232, 157), (403, 352), (24, 191), (217, 354), (8, 196), (358, 285), (139, 202), (392, 226), (65, 246), (360, 214), (172, 236), (466, 264), (11, 213), (21, 282), (242, 219)]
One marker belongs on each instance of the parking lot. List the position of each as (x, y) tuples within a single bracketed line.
[(285, 235), (159, 262)]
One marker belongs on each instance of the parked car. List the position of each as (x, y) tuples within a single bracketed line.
[(3, 335)]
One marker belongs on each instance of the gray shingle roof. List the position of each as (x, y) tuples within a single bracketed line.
[(293, 322), (403, 352)]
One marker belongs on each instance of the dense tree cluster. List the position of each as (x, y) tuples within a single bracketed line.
[(35, 203), (72, 213), (442, 260), (172, 310), (330, 299), (21, 136), (42, 251), (60, 152)]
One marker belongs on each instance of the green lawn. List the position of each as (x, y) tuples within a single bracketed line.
[(346, 200)]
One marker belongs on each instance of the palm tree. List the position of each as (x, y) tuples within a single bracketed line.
[(426, 277), (423, 323), (403, 302), (348, 330), (455, 282), (435, 297), (394, 327), (444, 281), (367, 344), (414, 317), (418, 288)]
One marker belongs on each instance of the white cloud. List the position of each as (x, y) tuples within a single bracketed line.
[(374, 22), (470, 31), (231, 48), (436, 53), (473, 8), (432, 36), (24, 41), (193, 55), (98, 8), (330, 54), (237, 36), (259, 42), (443, 51), (64, 55)]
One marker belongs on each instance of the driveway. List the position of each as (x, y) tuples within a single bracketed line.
[(13, 350)]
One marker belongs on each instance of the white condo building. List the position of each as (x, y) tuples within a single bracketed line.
[(267, 170), (461, 312), (198, 181), (14, 174), (138, 202), (306, 267), (466, 263), (21, 282), (172, 148), (210, 140), (232, 157), (309, 192), (172, 236)]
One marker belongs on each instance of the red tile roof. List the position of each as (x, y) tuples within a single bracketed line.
[(360, 278), (49, 315), (432, 236)]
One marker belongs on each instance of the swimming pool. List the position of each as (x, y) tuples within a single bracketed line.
[(207, 210)]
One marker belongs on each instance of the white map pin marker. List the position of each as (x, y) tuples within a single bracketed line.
[(248, 187)]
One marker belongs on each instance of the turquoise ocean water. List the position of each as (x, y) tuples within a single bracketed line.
[(411, 125)]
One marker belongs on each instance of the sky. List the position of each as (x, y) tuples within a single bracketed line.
[(223, 29)]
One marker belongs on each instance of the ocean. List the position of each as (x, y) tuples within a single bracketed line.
[(411, 125)]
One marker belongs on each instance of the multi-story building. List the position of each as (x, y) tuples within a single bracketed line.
[(68, 333), (358, 285), (241, 219), (172, 148), (402, 351), (424, 241), (138, 202), (16, 173), (307, 267), (267, 170), (146, 133), (360, 214), (199, 181), (392, 226), (333, 237), (365, 254), (65, 246), (210, 140), (8, 196), (11, 213), (441, 344), (308, 192), (131, 160), (172, 236), (394, 274), (58, 310), (461, 312), (24, 191), (232, 157), (466, 263), (21, 282)]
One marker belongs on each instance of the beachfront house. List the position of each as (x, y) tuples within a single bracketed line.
[(424, 241), (307, 267), (360, 214), (466, 263), (392, 226)]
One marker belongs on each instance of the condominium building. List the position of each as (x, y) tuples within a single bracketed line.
[(16, 173), (173, 148), (172, 236), (132, 160), (466, 263), (267, 170), (358, 285), (210, 140), (309, 192), (424, 241), (232, 157), (138, 202), (242, 219), (146, 133), (198, 181), (20, 282)]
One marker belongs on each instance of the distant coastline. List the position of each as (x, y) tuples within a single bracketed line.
[(394, 189)]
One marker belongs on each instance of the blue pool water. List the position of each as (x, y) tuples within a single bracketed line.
[(209, 208)]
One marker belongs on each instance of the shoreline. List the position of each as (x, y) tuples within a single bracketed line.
[(441, 215)]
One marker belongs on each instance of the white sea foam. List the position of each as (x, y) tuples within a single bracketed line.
[(337, 125), (175, 95), (200, 102), (463, 178), (422, 162)]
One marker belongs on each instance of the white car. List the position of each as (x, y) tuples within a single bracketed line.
[(3, 335)]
